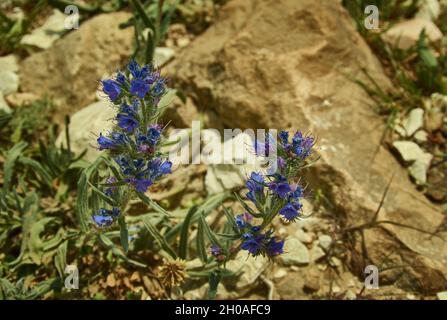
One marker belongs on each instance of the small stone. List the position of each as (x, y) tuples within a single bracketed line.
[(9, 82), (3, 105), (251, 268), (442, 295), (349, 295), (418, 170), (303, 236), (429, 10), (312, 284), (44, 36), (280, 273), (183, 42), (421, 136), (295, 253), (18, 99), (316, 253), (408, 150), (434, 120), (9, 63), (414, 121), (163, 55), (325, 241), (406, 34), (438, 101)]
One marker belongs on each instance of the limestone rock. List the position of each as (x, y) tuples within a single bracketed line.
[(9, 82), (70, 70), (408, 150), (9, 63), (249, 268), (44, 36), (295, 253), (85, 126), (325, 241), (254, 76), (414, 121)]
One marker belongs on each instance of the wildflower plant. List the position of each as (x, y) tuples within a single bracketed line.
[(135, 162)]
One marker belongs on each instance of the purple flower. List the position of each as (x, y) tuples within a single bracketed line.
[(126, 122), (254, 245), (141, 185), (102, 221), (105, 143), (256, 182), (139, 88), (274, 247), (290, 211), (281, 189), (111, 88), (240, 221)]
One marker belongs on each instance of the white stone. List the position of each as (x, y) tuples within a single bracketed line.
[(442, 295), (405, 34), (418, 170), (303, 236), (414, 121), (85, 126), (44, 36), (163, 55), (316, 253), (408, 150), (429, 10), (295, 253), (9, 82), (250, 267), (280, 273), (421, 136), (9, 63), (325, 241)]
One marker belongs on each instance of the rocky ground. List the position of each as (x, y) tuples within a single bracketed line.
[(280, 64)]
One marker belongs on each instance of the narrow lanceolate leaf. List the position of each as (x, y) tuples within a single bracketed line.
[(108, 244), (124, 233), (103, 196), (247, 208), (159, 238), (38, 168), (11, 158), (215, 278), (82, 202), (60, 260), (143, 15), (209, 233), (231, 220), (200, 243), (152, 204), (183, 246)]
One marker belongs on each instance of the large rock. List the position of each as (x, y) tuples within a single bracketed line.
[(286, 64), (70, 70)]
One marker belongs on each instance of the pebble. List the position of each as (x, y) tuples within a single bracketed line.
[(325, 241), (295, 253)]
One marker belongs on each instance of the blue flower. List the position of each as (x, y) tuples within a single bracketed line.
[(111, 88), (126, 122), (281, 189), (256, 182), (141, 185), (102, 221), (254, 245), (120, 78), (274, 247), (105, 143), (240, 221), (159, 87), (139, 88), (290, 211)]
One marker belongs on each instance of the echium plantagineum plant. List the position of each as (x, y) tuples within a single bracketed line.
[(135, 139), (277, 192), (134, 143)]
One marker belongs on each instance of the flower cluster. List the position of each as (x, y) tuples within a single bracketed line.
[(275, 193), (135, 139)]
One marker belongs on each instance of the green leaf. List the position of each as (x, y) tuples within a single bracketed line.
[(124, 233), (103, 196), (143, 15), (183, 246), (200, 243), (40, 170), (11, 157), (152, 204), (159, 238), (83, 211), (106, 242), (60, 260), (215, 278), (209, 233)]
